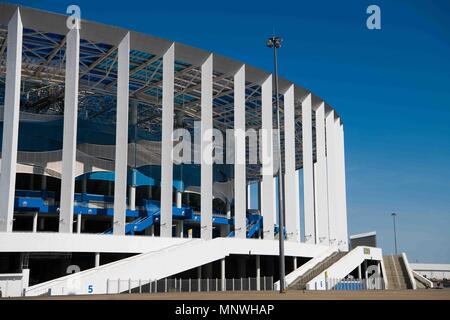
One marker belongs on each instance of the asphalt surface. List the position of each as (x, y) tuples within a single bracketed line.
[(432, 294)]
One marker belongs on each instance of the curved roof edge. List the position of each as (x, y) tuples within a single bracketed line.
[(45, 21)]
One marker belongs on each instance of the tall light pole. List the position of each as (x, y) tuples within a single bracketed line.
[(275, 43), (395, 232)]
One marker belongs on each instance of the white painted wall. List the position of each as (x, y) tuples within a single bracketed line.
[(12, 284), (161, 262), (409, 271), (432, 270), (345, 265), (291, 277)]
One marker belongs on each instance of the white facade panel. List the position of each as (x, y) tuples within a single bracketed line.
[(292, 214), (267, 183), (240, 180), (206, 198), (70, 131), (321, 178), (167, 142), (308, 172), (11, 122), (121, 158), (332, 179)]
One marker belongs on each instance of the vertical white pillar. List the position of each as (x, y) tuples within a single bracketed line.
[(70, 131), (258, 272), (267, 183), (240, 180), (179, 199), (167, 142), (275, 192), (11, 122), (342, 188), (331, 178), (79, 218), (206, 148), (35, 222), (308, 173), (132, 186), (132, 197), (290, 182), (249, 196), (97, 259), (121, 165), (321, 177), (222, 273)]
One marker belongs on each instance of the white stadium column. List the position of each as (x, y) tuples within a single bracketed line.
[(267, 183), (331, 178), (121, 165), (290, 182), (206, 149), (167, 142), (249, 196), (69, 152), (240, 180), (321, 177), (11, 122), (342, 188), (308, 171)]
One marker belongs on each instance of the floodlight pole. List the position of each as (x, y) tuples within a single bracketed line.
[(275, 43), (395, 232)]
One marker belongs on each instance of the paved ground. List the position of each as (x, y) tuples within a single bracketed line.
[(435, 294)]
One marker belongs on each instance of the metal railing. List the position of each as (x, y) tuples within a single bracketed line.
[(114, 286), (374, 283)]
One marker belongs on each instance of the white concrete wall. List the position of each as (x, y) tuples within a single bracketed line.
[(432, 270), (291, 277), (409, 271), (345, 265), (166, 261), (12, 284), (56, 242)]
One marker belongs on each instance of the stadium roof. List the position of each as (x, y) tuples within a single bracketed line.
[(43, 70)]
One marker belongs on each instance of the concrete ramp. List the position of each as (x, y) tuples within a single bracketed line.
[(153, 265)]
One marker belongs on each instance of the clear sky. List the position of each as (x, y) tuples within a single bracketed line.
[(391, 87)]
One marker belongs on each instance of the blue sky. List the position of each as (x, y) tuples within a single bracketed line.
[(391, 87)]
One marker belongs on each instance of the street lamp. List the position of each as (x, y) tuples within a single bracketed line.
[(275, 43), (395, 232)]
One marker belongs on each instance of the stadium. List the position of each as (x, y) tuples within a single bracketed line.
[(93, 200)]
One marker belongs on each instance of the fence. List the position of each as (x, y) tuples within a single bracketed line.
[(374, 283), (188, 285)]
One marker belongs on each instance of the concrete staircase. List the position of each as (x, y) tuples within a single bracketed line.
[(301, 282), (396, 273)]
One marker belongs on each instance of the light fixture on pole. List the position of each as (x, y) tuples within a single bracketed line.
[(275, 43), (395, 232)]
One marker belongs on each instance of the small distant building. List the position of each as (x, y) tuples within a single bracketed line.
[(437, 271), (368, 239)]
